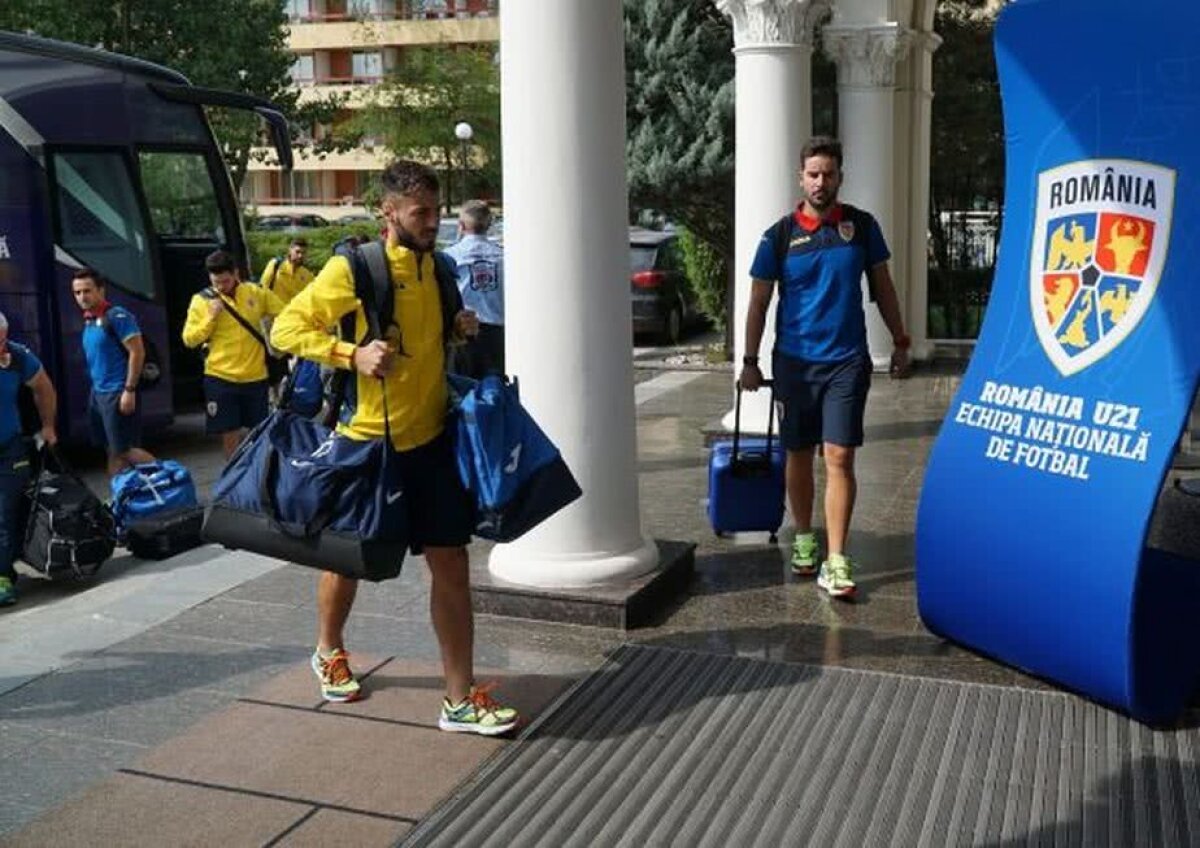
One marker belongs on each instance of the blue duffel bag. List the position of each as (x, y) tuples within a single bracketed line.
[(297, 491), (150, 488), (513, 471)]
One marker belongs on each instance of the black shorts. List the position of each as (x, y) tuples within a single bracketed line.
[(111, 430), (822, 401), (441, 513), (232, 406)]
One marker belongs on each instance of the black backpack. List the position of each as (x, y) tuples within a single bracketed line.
[(69, 533), (373, 287)]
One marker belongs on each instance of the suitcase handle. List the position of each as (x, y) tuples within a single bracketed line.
[(737, 421)]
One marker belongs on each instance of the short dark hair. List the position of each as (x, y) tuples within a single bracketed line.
[(219, 262), (822, 145), (405, 177), (87, 273), (299, 241)]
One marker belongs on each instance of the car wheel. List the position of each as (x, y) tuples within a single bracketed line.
[(672, 330)]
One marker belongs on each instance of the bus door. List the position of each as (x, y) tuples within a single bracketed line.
[(100, 221), (189, 219)]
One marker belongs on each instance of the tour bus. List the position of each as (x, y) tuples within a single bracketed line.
[(109, 162)]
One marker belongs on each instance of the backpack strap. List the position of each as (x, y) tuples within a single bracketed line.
[(373, 288), (781, 237), (445, 271), (270, 284)]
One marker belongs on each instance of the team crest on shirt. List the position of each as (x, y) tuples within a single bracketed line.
[(211, 409), (846, 230), (1099, 247)]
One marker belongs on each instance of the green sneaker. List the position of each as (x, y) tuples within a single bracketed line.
[(8, 592), (804, 554), (477, 713), (338, 683), (835, 577)]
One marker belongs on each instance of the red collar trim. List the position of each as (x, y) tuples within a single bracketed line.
[(101, 308), (811, 224)]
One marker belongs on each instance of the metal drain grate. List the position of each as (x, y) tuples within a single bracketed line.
[(665, 747)]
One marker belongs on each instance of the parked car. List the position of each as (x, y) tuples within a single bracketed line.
[(447, 232), (664, 302), (357, 218), (289, 223)]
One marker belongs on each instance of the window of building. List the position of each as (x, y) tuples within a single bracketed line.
[(303, 69), (298, 10), (305, 185), (366, 67), (372, 9)]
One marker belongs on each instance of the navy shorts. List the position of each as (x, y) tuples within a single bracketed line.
[(117, 433), (441, 513), (232, 406), (822, 401)]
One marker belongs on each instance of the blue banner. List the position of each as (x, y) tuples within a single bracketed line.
[(1039, 491)]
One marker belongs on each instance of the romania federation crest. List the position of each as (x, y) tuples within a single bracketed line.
[(1099, 246)]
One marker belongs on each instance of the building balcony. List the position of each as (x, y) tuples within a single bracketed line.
[(357, 91), (361, 159), (397, 32)]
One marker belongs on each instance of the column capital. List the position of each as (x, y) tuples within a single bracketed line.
[(866, 56), (759, 23)]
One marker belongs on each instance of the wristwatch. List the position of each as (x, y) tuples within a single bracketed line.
[(131, 388), (750, 360)]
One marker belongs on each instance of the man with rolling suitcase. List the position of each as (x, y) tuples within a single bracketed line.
[(401, 379), (822, 370), (18, 367)]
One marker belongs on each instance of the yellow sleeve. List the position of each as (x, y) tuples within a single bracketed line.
[(198, 328), (302, 328), (273, 304), (269, 272)]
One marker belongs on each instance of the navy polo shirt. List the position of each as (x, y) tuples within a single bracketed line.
[(820, 314), (107, 360), (22, 367)]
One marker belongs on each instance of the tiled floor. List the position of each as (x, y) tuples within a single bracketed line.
[(218, 703)]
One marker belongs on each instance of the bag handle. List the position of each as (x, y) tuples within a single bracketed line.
[(737, 420)]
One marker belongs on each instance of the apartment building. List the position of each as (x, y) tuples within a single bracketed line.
[(347, 47)]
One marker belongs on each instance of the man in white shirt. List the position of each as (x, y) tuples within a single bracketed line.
[(481, 281)]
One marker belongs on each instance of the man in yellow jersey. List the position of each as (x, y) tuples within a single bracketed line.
[(286, 276), (228, 317), (406, 371)]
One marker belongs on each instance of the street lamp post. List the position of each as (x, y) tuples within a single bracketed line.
[(464, 133)]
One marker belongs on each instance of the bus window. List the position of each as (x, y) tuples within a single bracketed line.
[(179, 192), (99, 218)]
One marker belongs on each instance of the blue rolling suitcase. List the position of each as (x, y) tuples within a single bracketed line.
[(746, 479)]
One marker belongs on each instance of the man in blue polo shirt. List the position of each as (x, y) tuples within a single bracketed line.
[(818, 256), (18, 367), (115, 353)]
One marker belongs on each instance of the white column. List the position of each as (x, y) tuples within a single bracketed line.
[(917, 205), (866, 59), (567, 324), (773, 50)]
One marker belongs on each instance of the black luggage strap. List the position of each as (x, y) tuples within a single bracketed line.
[(752, 463)]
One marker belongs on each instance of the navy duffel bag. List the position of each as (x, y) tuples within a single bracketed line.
[(297, 491)]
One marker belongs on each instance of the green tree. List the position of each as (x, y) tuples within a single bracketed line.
[(679, 110), (968, 162), (238, 45), (418, 105)]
